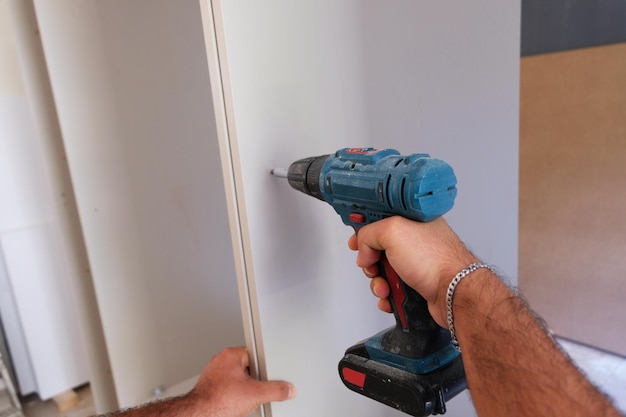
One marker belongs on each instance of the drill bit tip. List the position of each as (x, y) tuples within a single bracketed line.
[(279, 172)]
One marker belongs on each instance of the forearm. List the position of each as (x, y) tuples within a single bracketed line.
[(183, 406), (513, 365)]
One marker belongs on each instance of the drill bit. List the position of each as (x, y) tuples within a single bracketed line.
[(279, 172)]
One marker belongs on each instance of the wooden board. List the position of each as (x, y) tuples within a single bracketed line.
[(572, 200), (302, 79)]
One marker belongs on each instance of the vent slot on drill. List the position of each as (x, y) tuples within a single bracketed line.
[(402, 198), (381, 192), (388, 188)]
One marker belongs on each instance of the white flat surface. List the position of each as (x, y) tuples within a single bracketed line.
[(607, 371), (137, 124), (24, 205), (309, 78), (22, 177), (37, 273), (35, 302)]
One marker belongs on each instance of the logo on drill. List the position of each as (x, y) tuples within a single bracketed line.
[(362, 151)]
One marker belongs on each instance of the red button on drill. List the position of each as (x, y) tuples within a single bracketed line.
[(357, 218), (354, 377)]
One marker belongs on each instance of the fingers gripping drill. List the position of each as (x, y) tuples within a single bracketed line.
[(411, 366)]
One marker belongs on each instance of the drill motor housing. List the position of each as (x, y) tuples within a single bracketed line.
[(376, 184)]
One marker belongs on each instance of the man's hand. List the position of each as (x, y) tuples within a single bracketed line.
[(225, 388), (426, 255)]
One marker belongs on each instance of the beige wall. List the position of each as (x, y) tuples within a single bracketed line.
[(572, 192)]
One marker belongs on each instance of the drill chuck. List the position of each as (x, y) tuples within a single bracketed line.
[(304, 175)]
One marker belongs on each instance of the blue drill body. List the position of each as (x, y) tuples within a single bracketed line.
[(411, 366), (383, 183)]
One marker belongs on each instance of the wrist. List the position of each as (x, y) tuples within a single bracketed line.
[(478, 299), (446, 276), (472, 268)]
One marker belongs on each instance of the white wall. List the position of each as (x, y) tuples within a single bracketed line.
[(303, 79), (36, 302), (131, 87)]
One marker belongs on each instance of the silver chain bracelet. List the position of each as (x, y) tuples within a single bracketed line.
[(473, 267)]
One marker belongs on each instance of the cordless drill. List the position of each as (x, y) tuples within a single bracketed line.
[(411, 366)]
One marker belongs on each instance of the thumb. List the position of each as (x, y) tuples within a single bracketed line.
[(270, 391)]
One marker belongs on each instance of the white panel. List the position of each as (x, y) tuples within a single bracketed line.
[(37, 273), (22, 178), (26, 205), (50, 146), (444, 79), (23, 204), (16, 341), (162, 98), (141, 144), (307, 78)]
